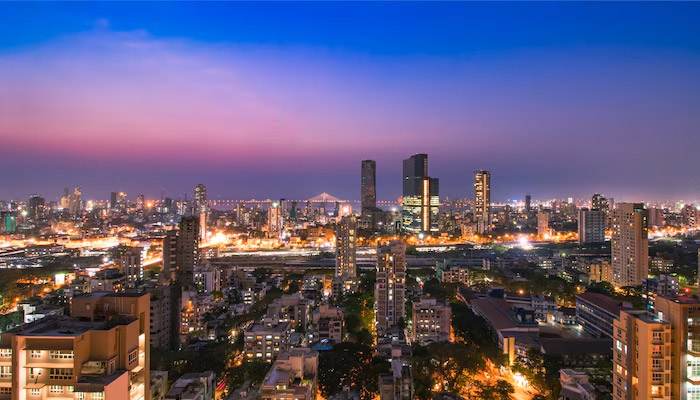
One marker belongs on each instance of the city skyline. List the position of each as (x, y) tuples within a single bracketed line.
[(255, 106)]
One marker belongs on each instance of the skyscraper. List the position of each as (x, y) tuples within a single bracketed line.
[(528, 203), (591, 226), (542, 223), (130, 265), (200, 199), (630, 244), (187, 249), (35, 207), (345, 251), (368, 186), (390, 288), (482, 200), (274, 217), (598, 202), (421, 198)]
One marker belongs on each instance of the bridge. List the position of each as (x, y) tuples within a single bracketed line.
[(319, 198)]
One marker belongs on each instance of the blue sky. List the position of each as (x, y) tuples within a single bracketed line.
[(285, 99)]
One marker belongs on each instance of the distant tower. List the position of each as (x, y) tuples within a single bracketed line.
[(390, 288), (274, 217), (421, 196), (528, 203), (542, 223), (187, 249), (345, 251), (368, 187), (35, 207), (200, 199), (131, 266), (482, 200), (591, 226), (630, 244)]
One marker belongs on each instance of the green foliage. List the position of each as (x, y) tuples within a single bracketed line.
[(541, 370), (449, 365), (254, 371), (501, 390), (439, 290), (471, 329), (350, 364)]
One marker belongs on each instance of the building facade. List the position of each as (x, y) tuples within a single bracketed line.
[(390, 288), (630, 244), (421, 198)]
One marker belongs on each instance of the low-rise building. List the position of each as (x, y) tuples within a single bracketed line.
[(193, 386), (431, 321), (292, 376), (575, 385), (596, 313), (397, 385), (265, 341), (327, 323)]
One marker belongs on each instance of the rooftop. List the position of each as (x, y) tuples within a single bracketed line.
[(602, 301), (66, 326)]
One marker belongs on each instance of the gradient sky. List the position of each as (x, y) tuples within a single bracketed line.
[(285, 99)]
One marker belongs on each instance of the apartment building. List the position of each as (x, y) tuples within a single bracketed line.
[(431, 321), (292, 376), (265, 341), (327, 323)]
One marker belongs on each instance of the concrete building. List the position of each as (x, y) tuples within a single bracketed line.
[(630, 244), (101, 352), (292, 308), (455, 274), (575, 385), (130, 265), (397, 385), (207, 278), (543, 224), (421, 196), (193, 307), (683, 314), (431, 321), (327, 322), (292, 376), (369, 212), (390, 287), (193, 386), (161, 325), (596, 313), (345, 250), (482, 200), (641, 357), (265, 341), (600, 271), (591, 226)]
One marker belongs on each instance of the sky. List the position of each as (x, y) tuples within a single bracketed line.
[(284, 100)]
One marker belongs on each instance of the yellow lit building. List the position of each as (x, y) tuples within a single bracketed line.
[(100, 353), (600, 272)]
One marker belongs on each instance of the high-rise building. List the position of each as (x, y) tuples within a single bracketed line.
[(35, 207), (274, 217), (390, 287), (591, 226), (100, 352), (642, 357), (169, 249), (630, 244), (113, 200), (482, 200), (131, 266), (598, 202), (200, 199), (369, 184), (421, 198), (543, 223), (689, 213), (528, 203), (345, 251), (187, 255)]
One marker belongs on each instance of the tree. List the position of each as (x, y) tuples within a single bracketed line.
[(501, 390), (350, 364)]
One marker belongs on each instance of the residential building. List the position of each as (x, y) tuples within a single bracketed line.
[(292, 308), (390, 286), (207, 278), (327, 323), (345, 250), (193, 386), (630, 244), (159, 384), (591, 226), (543, 224), (293, 375), (600, 271), (575, 385), (265, 341), (130, 265), (100, 352), (482, 200), (641, 356), (161, 324), (398, 384), (431, 321)]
